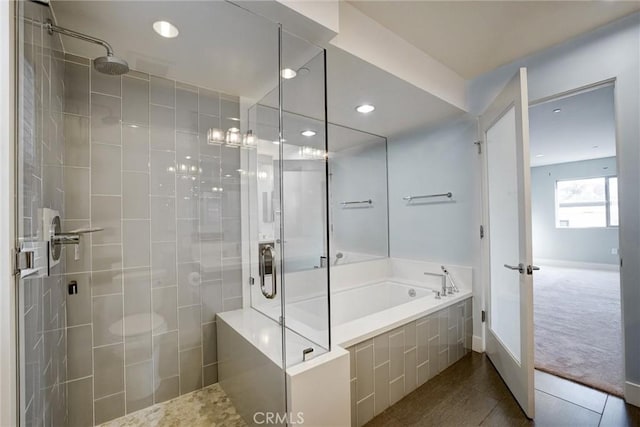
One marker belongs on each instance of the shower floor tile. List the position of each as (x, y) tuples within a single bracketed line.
[(207, 407)]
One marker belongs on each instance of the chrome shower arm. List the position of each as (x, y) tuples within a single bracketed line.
[(51, 28)]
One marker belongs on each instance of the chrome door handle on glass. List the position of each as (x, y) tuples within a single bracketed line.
[(519, 267), (268, 268)]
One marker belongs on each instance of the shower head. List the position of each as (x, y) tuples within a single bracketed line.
[(111, 65)]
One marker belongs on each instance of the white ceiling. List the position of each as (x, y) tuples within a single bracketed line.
[(474, 37), (586, 120), (400, 106), (220, 46), (225, 48)]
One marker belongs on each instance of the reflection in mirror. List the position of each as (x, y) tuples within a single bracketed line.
[(357, 192), (358, 196)]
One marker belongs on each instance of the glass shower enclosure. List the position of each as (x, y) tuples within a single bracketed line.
[(250, 228)]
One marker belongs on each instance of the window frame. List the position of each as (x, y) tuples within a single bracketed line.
[(607, 202)]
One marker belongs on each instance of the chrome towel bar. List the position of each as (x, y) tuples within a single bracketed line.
[(357, 202), (428, 196)]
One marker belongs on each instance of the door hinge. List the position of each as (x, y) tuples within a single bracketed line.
[(484, 316), (24, 260), (252, 281), (620, 262), (482, 231), (479, 145)]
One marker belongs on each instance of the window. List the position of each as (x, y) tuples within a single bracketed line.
[(584, 203)]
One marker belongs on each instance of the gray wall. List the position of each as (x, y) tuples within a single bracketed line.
[(141, 328), (360, 174), (439, 161), (611, 52), (41, 300), (585, 245)]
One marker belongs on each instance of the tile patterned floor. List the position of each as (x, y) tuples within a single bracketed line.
[(208, 407), (471, 393)]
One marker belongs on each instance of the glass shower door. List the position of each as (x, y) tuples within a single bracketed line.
[(40, 285), (288, 202)]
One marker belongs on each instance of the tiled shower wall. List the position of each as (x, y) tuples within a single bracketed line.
[(389, 366), (141, 328), (42, 301)]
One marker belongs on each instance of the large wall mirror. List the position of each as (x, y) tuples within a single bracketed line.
[(358, 205)]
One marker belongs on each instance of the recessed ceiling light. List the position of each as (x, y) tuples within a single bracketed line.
[(539, 155), (557, 110), (288, 73), (308, 132), (234, 129), (365, 108), (165, 29)]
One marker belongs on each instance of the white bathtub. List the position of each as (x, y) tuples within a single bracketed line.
[(364, 311), (354, 303)]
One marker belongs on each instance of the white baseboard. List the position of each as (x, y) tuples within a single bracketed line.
[(632, 393), (579, 265), (477, 344)]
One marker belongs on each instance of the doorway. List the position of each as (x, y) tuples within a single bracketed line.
[(574, 210)]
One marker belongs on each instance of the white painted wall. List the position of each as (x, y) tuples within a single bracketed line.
[(611, 52), (8, 390), (583, 245)]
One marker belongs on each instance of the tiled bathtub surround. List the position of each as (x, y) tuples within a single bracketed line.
[(391, 365), (141, 328), (43, 346)]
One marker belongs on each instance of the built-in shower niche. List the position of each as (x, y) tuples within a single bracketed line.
[(357, 196)]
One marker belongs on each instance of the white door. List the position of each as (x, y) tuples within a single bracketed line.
[(509, 344)]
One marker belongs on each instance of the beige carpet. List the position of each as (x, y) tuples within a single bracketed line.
[(578, 334)]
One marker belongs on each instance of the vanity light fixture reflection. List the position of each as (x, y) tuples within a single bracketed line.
[(249, 140), (233, 137), (311, 153), (215, 136)]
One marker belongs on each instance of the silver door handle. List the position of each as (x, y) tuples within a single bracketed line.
[(268, 268), (519, 267), (532, 268)]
